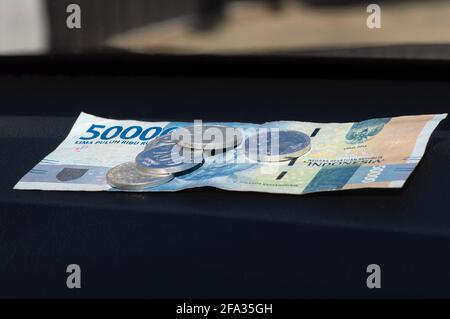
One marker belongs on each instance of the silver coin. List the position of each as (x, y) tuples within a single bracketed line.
[(208, 137), (154, 141), (126, 177), (165, 156), (263, 146)]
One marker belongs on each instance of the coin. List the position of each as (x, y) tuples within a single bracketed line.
[(126, 177), (153, 142), (165, 156), (208, 137), (291, 144)]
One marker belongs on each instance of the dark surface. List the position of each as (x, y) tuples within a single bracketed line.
[(308, 65), (212, 243)]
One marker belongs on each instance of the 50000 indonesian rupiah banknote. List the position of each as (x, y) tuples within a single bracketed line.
[(374, 153)]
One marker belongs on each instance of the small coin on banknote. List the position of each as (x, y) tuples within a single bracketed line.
[(277, 145), (126, 177), (165, 156), (155, 141), (208, 137)]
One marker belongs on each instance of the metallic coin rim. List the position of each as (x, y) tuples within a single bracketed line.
[(169, 170), (212, 146), (287, 157), (136, 186), (164, 170), (284, 157), (154, 141)]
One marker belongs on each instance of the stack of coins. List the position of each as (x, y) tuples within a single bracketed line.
[(184, 150), (170, 155)]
